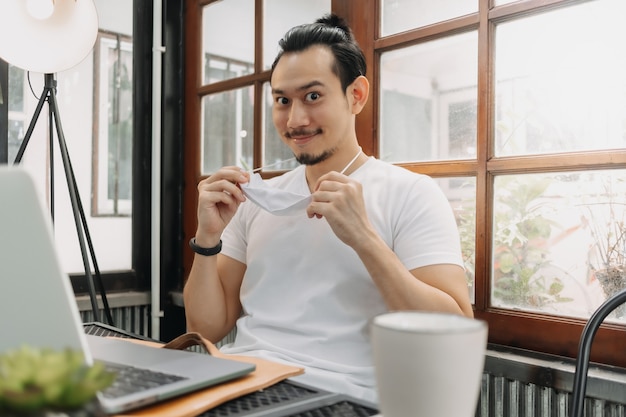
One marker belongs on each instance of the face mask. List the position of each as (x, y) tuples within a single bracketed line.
[(276, 201)]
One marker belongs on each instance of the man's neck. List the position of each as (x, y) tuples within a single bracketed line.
[(343, 163)]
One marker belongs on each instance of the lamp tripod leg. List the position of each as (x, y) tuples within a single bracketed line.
[(79, 217), (31, 126)]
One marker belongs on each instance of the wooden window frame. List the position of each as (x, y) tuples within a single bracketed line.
[(520, 329)]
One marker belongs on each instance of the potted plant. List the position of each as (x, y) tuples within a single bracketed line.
[(44, 382)]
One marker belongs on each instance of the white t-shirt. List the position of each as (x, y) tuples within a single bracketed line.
[(307, 298)]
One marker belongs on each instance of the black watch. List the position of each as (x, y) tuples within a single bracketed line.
[(205, 251)]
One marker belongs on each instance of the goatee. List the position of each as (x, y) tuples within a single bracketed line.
[(309, 159)]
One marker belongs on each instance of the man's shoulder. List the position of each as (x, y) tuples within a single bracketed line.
[(395, 173)]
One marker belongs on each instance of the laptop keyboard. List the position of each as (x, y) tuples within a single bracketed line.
[(130, 380)]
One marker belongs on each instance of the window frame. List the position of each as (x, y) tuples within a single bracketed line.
[(101, 204), (513, 328), (4, 111)]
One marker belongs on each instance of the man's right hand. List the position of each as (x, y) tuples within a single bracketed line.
[(219, 197)]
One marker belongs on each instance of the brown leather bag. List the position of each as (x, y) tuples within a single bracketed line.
[(266, 374)]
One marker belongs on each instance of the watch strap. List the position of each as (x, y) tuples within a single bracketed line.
[(205, 251)]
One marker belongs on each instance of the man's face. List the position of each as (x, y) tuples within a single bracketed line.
[(310, 112)]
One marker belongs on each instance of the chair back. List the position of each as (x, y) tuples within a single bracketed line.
[(584, 350)]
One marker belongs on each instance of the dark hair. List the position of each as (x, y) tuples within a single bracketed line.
[(333, 32)]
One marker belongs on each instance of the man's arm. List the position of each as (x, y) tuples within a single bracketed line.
[(212, 303), (438, 287), (211, 293)]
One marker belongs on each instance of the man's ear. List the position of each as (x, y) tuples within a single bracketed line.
[(358, 92)]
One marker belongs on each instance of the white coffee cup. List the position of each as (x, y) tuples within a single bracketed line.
[(428, 364)]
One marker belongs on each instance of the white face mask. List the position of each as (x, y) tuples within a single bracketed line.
[(276, 201)]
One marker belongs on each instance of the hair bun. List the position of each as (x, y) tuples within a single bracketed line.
[(332, 20)]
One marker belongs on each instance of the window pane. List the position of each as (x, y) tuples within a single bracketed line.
[(560, 88), (556, 237), (276, 155), (401, 15), (227, 52), (227, 127), (113, 126), (281, 15), (428, 100), (17, 117), (461, 193)]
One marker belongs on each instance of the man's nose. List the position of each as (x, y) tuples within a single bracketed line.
[(298, 116)]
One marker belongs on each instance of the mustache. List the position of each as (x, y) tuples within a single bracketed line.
[(302, 132)]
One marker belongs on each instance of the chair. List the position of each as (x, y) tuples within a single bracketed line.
[(584, 350)]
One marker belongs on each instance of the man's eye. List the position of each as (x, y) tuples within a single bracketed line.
[(312, 96), (281, 100)]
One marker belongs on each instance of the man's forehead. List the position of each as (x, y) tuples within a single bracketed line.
[(277, 89), (297, 70)]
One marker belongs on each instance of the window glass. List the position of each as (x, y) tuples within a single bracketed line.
[(402, 15), (76, 102), (559, 241), (17, 116), (560, 88), (227, 129), (281, 15), (428, 100), (227, 39), (113, 125), (461, 193)]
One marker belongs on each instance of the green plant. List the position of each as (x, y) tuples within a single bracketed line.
[(465, 212), (522, 273), (33, 379)]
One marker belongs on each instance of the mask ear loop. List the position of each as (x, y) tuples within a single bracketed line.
[(247, 168), (352, 162)]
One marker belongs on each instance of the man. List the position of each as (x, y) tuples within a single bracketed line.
[(375, 237)]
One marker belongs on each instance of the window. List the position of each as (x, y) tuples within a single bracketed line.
[(97, 170), (518, 109), (428, 100), (530, 108), (18, 121), (113, 125)]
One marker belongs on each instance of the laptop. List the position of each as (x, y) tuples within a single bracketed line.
[(39, 306)]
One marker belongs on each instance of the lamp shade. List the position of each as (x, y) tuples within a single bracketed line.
[(47, 45)]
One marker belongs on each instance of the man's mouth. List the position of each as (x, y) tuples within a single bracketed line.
[(302, 136)]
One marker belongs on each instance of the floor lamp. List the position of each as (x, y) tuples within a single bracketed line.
[(49, 36)]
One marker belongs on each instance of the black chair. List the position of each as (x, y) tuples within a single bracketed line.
[(584, 350)]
